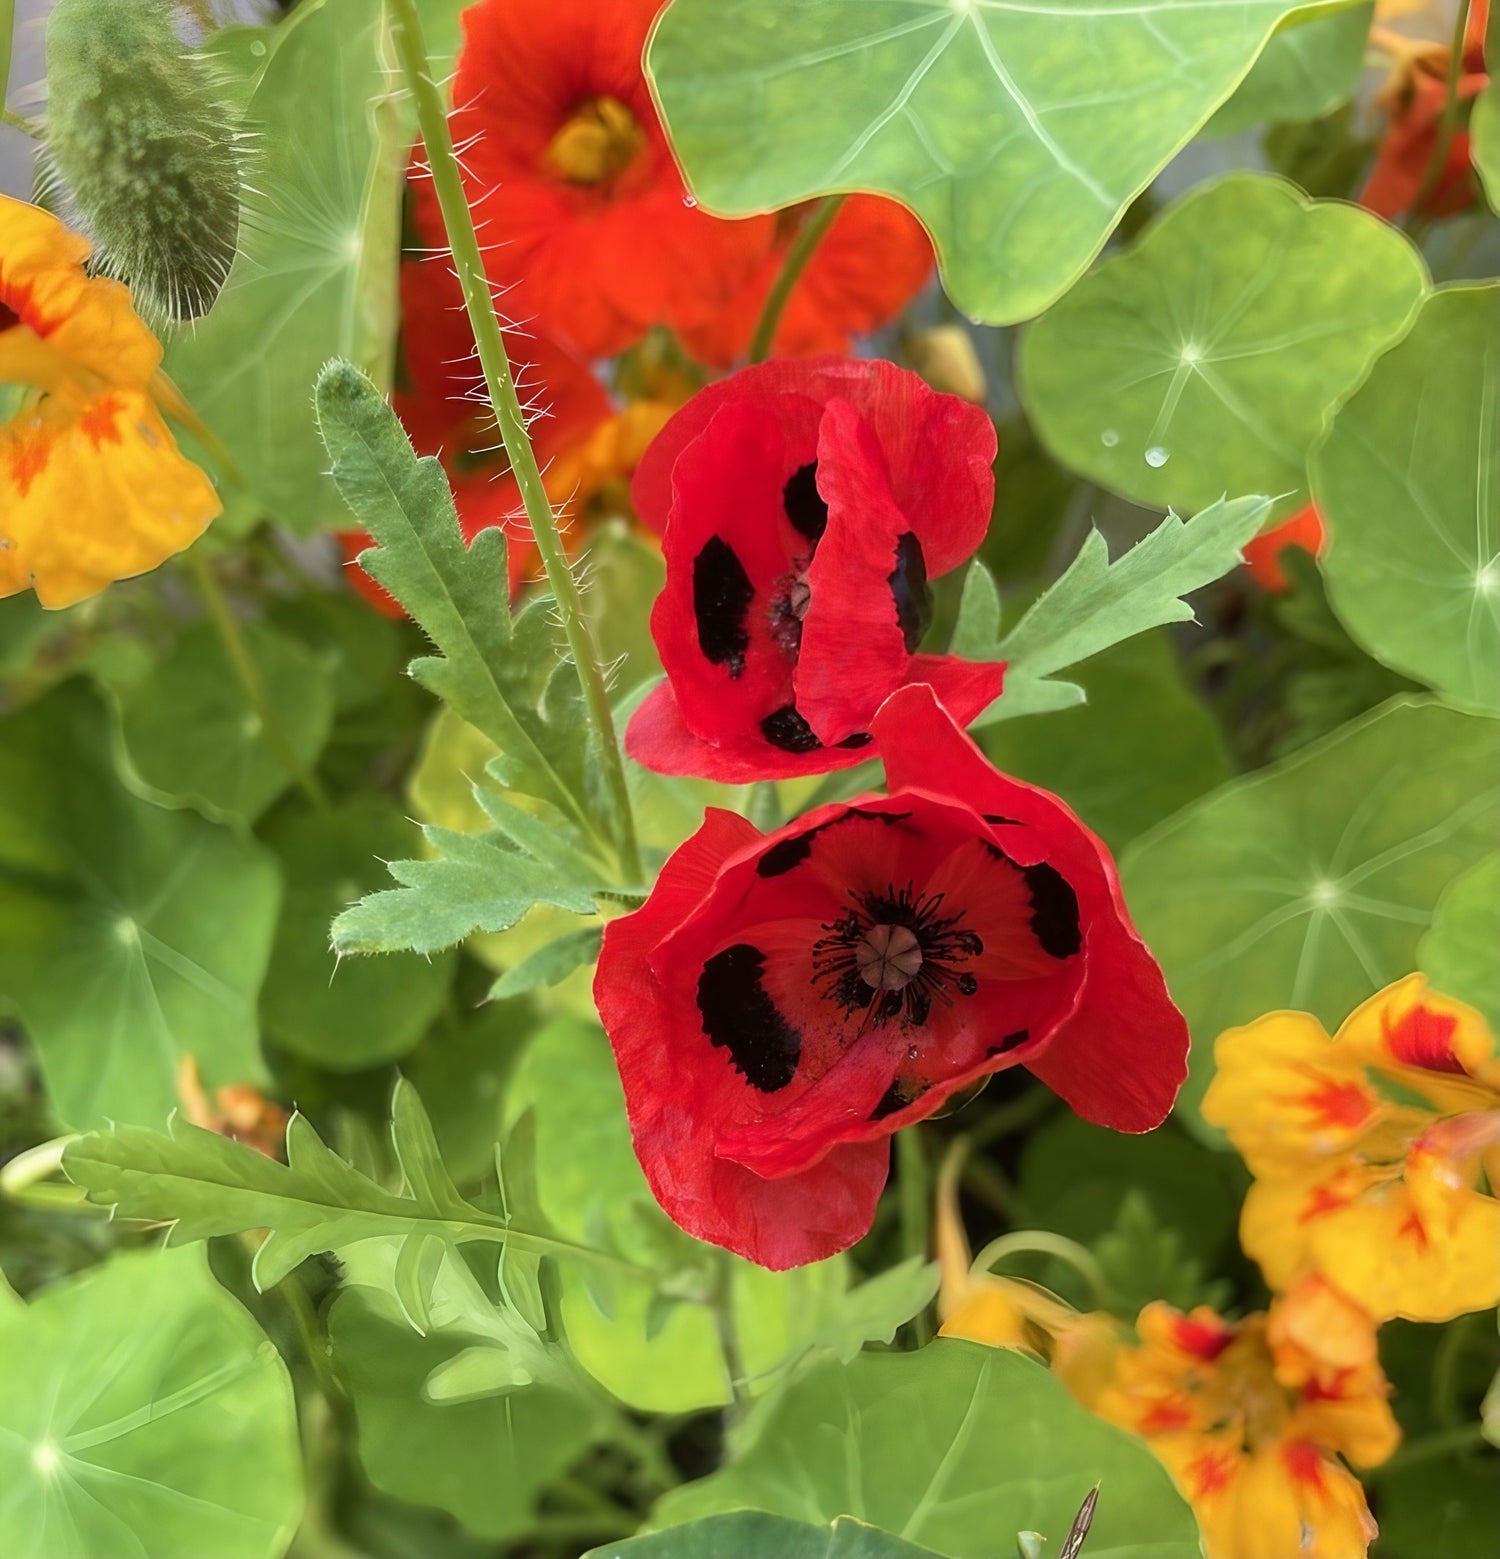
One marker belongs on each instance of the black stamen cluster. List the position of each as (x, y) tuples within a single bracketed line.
[(944, 947)]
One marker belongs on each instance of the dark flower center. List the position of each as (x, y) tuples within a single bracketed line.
[(597, 144), (893, 954)]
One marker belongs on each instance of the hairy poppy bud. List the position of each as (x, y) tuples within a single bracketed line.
[(143, 143)]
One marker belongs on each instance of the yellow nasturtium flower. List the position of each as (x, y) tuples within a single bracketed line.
[(1376, 1153), (92, 485), (1252, 1417)]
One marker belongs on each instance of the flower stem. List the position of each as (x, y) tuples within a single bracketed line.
[(7, 42), (729, 1339), (247, 673), (791, 269), (914, 1190), (1416, 222), (1043, 1242), (468, 262)]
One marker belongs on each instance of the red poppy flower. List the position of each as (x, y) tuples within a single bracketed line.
[(1263, 554), (873, 260), (804, 507), (1414, 100), (442, 406), (782, 1003), (573, 185)]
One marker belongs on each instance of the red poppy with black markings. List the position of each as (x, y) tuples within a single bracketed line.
[(782, 1003), (804, 506)]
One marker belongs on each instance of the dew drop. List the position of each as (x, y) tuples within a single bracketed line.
[(1157, 457), (689, 200), (257, 48), (1109, 438)]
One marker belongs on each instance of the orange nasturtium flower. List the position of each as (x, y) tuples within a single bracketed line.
[(575, 190), (1376, 1153), (92, 485), (239, 1112), (1251, 1418), (873, 260)]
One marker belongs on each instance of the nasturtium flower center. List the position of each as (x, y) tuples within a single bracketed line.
[(597, 144)]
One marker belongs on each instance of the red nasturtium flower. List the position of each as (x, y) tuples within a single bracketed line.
[(782, 1003), (573, 185), (873, 260), (804, 507), (1263, 555), (1414, 101), (442, 406)]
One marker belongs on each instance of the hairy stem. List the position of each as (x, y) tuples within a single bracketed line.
[(792, 268), (247, 673), (1432, 175), (468, 262)]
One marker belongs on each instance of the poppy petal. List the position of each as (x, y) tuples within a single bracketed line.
[(1122, 1056)]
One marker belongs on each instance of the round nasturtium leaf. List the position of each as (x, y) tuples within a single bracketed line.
[(191, 730), (1461, 953), (484, 1461), (956, 1448), (1308, 885), (590, 1187), (1408, 480), (1306, 70), (1018, 132), (1206, 358), (314, 278), (143, 1412), (348, 1013), (129, 933), (751, 1534)]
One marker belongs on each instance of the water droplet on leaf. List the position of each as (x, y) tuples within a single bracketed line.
[(1109, 438), (1157, 457)]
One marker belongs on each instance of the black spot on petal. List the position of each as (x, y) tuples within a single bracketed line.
[(786, 729), (894, 1098), (994, 817), (740, 1017), (1009, 1043), (722, 594), (858, 740), (913, 598), (1054, 905), (804, 504), (1054, 910), (785, 854), (8, 316)]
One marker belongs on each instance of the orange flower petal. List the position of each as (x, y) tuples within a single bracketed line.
[(92, 492)]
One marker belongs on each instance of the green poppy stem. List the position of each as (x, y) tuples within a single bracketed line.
[(791, 269), (468, 261)]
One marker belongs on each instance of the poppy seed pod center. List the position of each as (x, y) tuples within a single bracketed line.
[(598, 143), (889, 957)]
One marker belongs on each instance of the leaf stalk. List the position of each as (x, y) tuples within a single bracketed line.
[(791, 271)]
